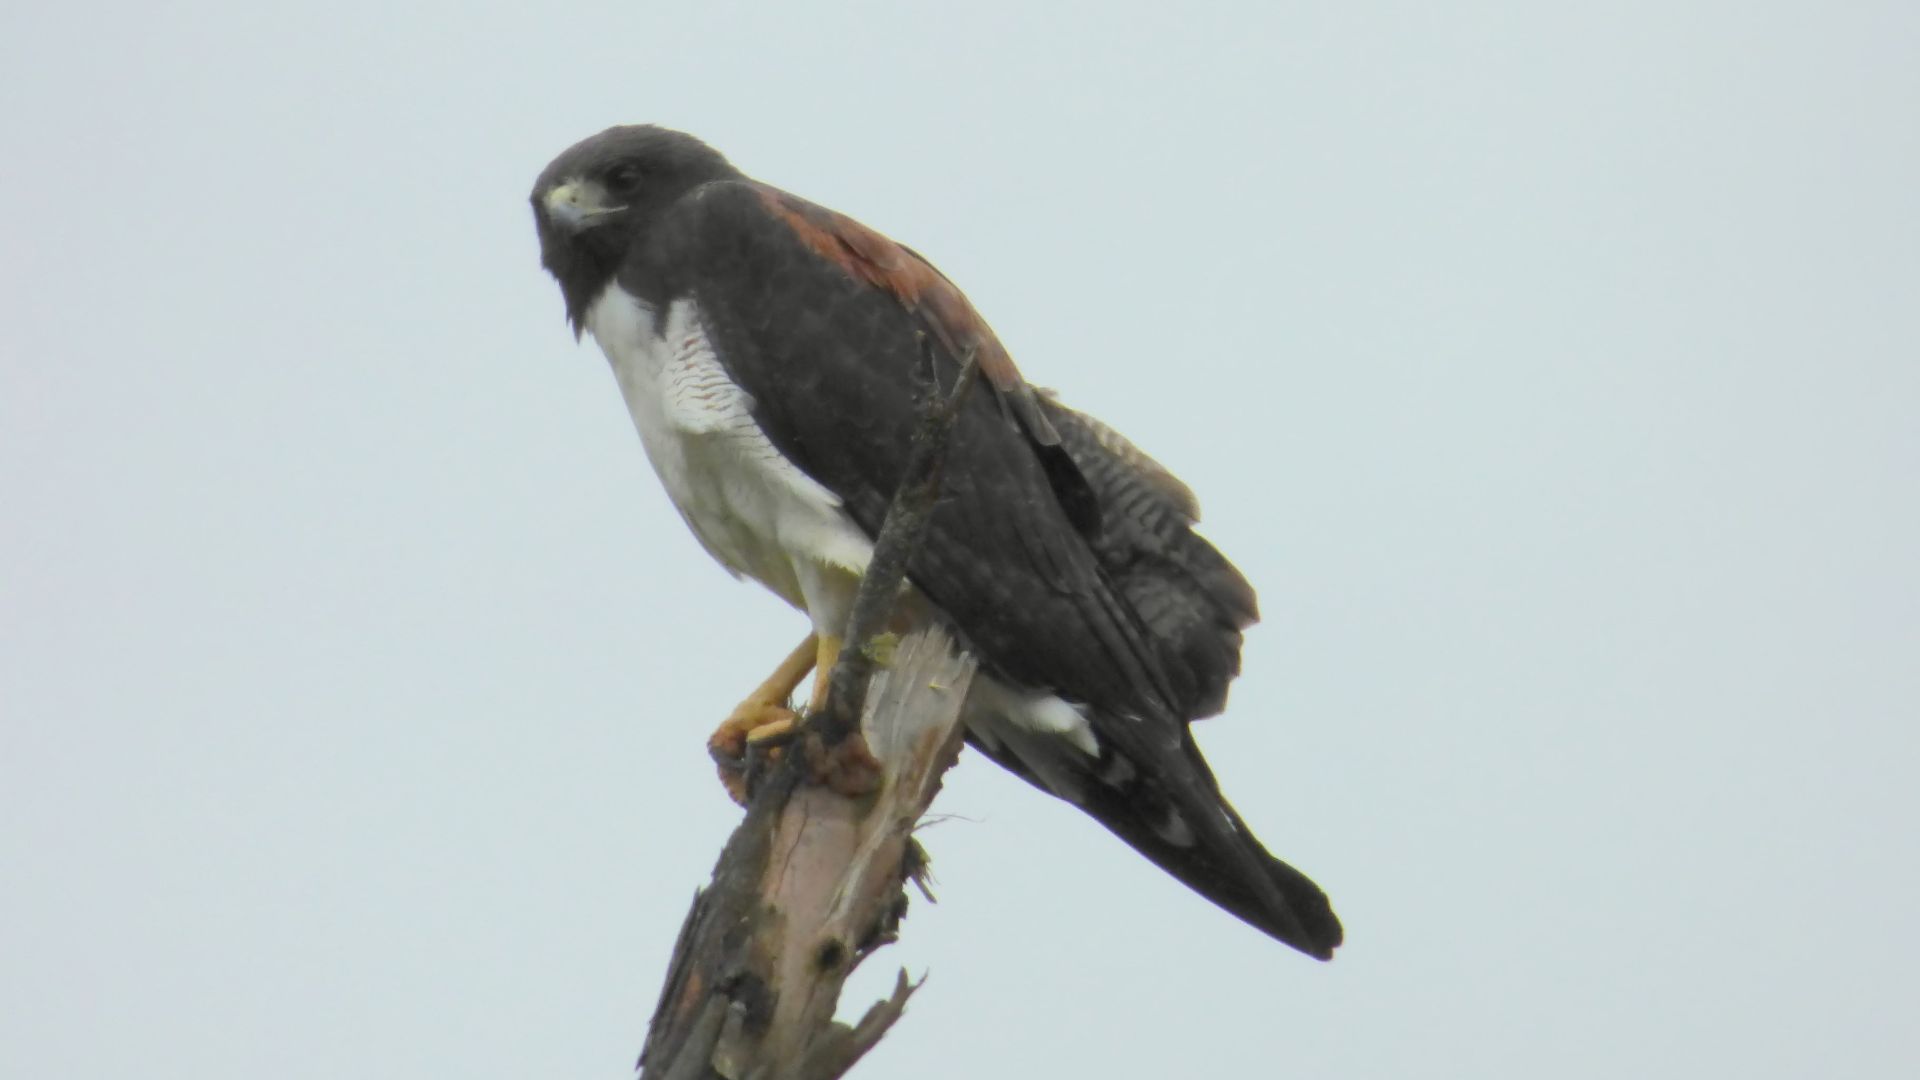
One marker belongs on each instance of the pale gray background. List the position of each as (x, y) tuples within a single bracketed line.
[(1553, 374)]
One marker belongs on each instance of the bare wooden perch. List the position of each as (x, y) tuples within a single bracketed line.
[(812, 881)]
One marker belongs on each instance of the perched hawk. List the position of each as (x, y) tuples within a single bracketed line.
[(768, 349)]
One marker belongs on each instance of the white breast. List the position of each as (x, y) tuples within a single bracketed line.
[(763, 518), (752, 509)]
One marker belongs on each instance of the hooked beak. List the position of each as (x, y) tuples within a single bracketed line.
[(578, 205)]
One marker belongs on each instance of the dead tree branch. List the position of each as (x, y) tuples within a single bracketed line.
[(811, 882)]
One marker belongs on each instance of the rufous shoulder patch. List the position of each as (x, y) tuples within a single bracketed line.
[(895, 269)]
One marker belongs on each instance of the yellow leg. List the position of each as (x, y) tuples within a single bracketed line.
[(761, 715), (780, 685), (827, 655)]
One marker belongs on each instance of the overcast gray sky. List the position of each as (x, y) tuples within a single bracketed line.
[(1552, 370)]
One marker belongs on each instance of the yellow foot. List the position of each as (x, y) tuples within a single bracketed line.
[(753, 722), (762, 723)]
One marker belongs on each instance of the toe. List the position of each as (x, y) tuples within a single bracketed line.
[(772, 729)]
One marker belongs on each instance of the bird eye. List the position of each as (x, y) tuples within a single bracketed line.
[(625, 177)]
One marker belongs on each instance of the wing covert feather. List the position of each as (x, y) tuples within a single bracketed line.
[(829, 355)]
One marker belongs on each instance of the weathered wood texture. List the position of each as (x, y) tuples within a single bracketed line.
[(803, 893)]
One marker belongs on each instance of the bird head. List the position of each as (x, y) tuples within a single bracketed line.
[(596, 201)]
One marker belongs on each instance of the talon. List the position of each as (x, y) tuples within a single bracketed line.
[(761, 716), (749, 724), (772, 729), (762, 723)]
